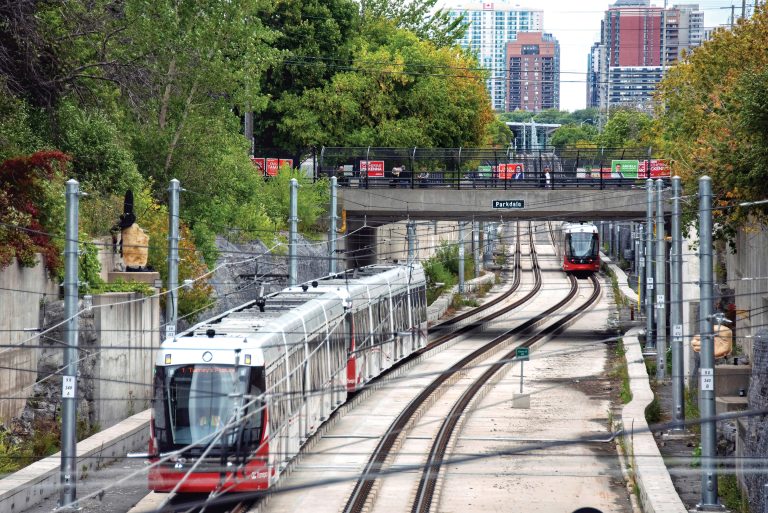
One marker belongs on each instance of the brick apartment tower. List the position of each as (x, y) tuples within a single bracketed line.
[(533, 72)]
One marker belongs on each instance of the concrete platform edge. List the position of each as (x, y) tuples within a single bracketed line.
[(32, 484), (654, 484), (621, 278)]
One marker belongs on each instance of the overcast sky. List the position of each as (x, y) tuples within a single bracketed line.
[(576, 24)]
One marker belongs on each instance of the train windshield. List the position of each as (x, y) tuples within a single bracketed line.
[(580, 245), (194, 403)]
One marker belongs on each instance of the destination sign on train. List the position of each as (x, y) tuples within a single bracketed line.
[(515, 203)]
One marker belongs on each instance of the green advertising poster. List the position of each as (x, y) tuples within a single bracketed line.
[(624, 168), (484, 171)]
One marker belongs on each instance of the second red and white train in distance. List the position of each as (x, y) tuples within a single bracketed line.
[(580, 248)]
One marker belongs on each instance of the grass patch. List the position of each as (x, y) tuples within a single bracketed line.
[(458, 301), (692, 413), (730, 493), (621, 371), (653, 411)]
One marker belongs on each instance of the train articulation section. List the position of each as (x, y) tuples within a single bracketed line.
[(235, 397)]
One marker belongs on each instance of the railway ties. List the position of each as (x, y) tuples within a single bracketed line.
[(364, 490)]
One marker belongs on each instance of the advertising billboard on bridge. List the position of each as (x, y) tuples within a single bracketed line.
[(624, 168), (373, 168), (285, 162), (659, 169)]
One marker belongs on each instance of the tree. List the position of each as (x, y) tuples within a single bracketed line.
[(418, 16), (573, 135), (714, 115), (315, 40), (626, 128), (399, 91)]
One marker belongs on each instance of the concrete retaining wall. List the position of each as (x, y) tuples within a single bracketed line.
[(392, 239), (128, 337), (438, 308), (22, 292), (655, 488), (29, 486)]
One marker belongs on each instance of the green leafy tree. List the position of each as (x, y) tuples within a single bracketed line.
[(573, 135), (421, 17), (387, 99), (314, 39), (627, 128), (714, 118)]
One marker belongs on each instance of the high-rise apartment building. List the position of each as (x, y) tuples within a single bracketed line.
[(637, 42), (533, 72), (490, 25)]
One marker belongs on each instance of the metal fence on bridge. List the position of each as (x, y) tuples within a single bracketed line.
[(480, 168)]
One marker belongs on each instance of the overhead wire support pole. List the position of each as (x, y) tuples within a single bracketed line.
[(650, 342), (172, 301), (709, 500), (293, 235), (411, 231), (68, 470), (676, 309), (476, 247), (332, 230), (661, 285), (461, 257)]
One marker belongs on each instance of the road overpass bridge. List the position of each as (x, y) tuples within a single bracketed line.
[(368, 208), (379, 206)]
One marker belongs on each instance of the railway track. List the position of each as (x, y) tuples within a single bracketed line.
[(427, 483), (453, 332), (361, 493)]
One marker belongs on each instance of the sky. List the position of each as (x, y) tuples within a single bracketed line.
[(576, 25)]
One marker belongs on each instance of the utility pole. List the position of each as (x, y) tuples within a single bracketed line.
[(411, 230), (68, 472), (293, 234), (476, 247), (332, 230), (676, 309), (661, 285), (743, 9), (733, 15), (461, 257), (641, 268), (172, 301), (650, 341), (707, 369)]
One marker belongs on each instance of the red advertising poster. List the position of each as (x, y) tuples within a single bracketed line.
[(516, 171), (501, 172), (374, 168), (286, 162), (273, 165), (259, 163), (659, 169)]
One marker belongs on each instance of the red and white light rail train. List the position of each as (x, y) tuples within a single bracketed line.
[(580, 248), (235, 397)]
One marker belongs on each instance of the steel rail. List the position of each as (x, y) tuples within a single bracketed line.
[(361, 492), (430, 474)]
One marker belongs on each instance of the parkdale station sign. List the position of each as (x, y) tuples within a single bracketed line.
[(512, 203)]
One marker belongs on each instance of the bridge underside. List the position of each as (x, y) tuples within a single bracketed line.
[(380, 206)]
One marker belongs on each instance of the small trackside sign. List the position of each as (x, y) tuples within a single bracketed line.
[(512, 203), (522, 353)]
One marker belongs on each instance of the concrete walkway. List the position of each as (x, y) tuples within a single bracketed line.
[(655, 488)]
